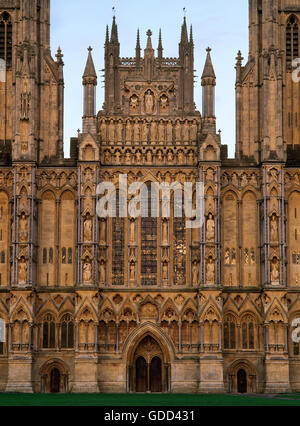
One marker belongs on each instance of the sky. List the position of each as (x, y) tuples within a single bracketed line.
[(221, 25)]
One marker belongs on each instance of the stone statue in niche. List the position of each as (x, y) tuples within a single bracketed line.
[(119, 132), (191, 157), (153, 132), (169, 131), (87, 271), (107, 157), (195, 273), (145, 132), (210, 229), (170, 157), (178, 131), (149, 102), (186, 132), (127, 157), (210, 270), (22, 272), (117, 157), (274, 228), (161, 131), (23, 228), (87, 232), (210, 174), (149, 157), (102, 274), (136, 132), (132, 271), (227, 257), (128, 132), (102, 232), (138, 157), (165, 239), (159, 157), (194, 131), (111, 132), (180, 157), (103, 130), (164, 104), (25, 104), (275, 270), (134, 104), (165, 271)]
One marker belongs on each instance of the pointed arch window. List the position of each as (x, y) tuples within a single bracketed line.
[(67, 332), (148, 238), (49, 332), (229, 333), (248, 327), (6, 38), (292, 39)]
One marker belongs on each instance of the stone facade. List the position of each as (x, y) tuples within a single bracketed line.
[(145, 304)]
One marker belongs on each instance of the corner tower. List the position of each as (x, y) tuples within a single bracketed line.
[(267, 99), (29, 78)]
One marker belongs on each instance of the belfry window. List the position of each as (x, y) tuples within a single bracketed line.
[(6, 38), (292, 39)]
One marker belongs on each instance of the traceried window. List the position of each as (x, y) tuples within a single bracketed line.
[(248, 333), (229, 333), (117, 246), (148, 244), (6, 38), (67, 332), (49, 332), (292, 39)]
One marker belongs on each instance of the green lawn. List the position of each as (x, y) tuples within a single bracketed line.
[(147, 400)]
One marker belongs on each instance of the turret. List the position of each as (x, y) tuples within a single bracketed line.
[(89, 81), (208, 82)]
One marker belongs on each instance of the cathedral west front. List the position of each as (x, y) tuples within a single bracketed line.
[(121, 303)]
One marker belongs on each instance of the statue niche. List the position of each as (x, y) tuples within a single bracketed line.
[(164, 104), (23, 228), (134, 105), (149, 102), (22, 271)]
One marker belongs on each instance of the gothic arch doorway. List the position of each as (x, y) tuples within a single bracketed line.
[(242, 381), (54, 377), (149, 371), (242, 377), (55, 380)]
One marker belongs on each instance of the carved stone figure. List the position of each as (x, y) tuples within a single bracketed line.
[(161, 131), (128, 132), (178, 131), (136, 132), (149, 102), (180, 157), (138, 157), (87, 271), (134, 104), (145, 132), (186, 132), (149, 157), (87, 233), (119, 132), (210, 229), (194, 131), (111, 132), (227, 257), (103, 130), (132, 271), (210, 271), (275, 270), (274, 228), (102, 240), (165, 271), (195, 273), (23, 228), (153, 132), (22, 272), (102, 271), (170, 157), (165, 239), (169, 131), (164, 104)]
